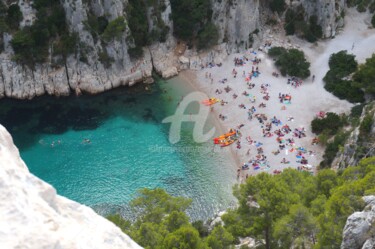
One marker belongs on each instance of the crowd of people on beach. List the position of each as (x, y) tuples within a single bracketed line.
[(271, 127)]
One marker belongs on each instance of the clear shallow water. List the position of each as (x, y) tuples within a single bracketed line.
[(128, 149)]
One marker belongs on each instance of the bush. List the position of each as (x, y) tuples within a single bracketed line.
[(366, 124), (114, 29), (356, 111), (189, 17), (135, 52), (105, 59), (14, 16), (364, 78), (332, 148), (31, 44), (277, 5), (208, 36), (342, 65), (291, 62), (373, 21), (331, 124)]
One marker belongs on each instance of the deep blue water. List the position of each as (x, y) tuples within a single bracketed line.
[(128, 148)]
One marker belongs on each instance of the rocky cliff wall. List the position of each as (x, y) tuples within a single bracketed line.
[(359, 230), (330, 13), (240, 24), (357, 147), (33, 216)]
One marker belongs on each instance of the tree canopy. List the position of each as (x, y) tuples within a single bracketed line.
[(291, 62), (341, 65), (292, 209)]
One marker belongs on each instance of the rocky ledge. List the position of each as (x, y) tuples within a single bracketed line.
[(34, 216)]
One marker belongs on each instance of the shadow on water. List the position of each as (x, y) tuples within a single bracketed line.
[(28, 120)]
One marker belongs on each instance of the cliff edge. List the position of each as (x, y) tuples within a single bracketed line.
[(33, 216)]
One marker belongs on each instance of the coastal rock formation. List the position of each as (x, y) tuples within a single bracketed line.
[(356, 146), (237, 22), (330, 13), (34, 216), (359, 230), (103, 65)]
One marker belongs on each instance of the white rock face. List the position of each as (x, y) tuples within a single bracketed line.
[(33, 216), (357, 229), (240, 24)]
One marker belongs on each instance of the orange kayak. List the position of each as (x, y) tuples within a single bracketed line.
[(217, 140), (210, 101), (227, 142)]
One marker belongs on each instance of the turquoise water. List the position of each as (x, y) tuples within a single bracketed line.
[(128, 149)]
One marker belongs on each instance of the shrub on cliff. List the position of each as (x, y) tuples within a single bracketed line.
[(208, 36), (291, 62), (364, 78), (331, 123), (277, 5), (14, 16), (192, 21), (115, 29), (341, 66), (31, 44), (373, 21)]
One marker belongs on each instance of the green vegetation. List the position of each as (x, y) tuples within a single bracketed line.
[(295, 24), (191, 20), (373, 21), (366, 124), (208, 36), (330, 134), (140, 31), (291, 62), (14, 16), (277, 5), (341, 65), (292, 209), (115, 29), (364, 78), (362, 5), (49, 30), (330, 124)]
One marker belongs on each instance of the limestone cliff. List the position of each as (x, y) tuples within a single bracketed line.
[(241, 25), (359, 230), (358, 145), (34, 216)]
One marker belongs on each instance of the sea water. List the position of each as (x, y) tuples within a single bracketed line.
[(99, 150)]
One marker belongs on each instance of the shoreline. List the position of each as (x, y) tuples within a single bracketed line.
[(189, 77), (308, 99)]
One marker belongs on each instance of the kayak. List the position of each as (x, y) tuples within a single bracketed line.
[(210, 101), (227, 142), (218, 140)]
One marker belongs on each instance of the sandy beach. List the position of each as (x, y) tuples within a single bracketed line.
[(259, 148)]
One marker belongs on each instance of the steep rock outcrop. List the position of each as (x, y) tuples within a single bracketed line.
[(359, 230), (34, 216), (238, 21), (330, 13), (241, 25), (357, 147)]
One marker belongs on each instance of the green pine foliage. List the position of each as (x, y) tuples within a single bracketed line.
[(291, 62), (291, 210), (342, 65), (295, 23), (31, 44), (277, 5), (364, 78), (192, 21)]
